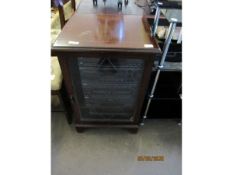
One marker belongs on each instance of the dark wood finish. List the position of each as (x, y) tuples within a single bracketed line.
[(102, 35), (67, 81), (109, 125), (106, 32), (60, 6), (61, 93), (73, 3), (61, 16), (80, 130), (133, 130)]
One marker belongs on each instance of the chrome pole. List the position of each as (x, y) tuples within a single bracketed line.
[(161, 63), (156, 19), (168, 41), (179, 37)]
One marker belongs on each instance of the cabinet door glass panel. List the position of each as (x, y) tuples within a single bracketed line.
[(106, 88)]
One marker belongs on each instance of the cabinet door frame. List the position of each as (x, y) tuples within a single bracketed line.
[(64, 59)]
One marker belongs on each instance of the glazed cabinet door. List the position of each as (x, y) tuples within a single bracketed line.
[(106, 89)]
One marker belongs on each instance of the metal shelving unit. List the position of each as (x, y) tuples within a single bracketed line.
[(161, 64)]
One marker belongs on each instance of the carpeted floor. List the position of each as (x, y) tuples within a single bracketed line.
[(115, 151)]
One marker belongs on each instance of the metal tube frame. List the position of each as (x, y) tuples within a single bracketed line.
[(156, 20), (161, 63), (179, 37)]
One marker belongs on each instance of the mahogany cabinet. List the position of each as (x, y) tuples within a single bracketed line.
[(106, 61)]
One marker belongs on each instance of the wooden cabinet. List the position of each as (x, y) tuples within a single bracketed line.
[(106, 61)]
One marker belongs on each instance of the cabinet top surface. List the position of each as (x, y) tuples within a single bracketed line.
[(106, 28)]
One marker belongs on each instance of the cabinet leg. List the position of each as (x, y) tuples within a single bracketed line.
[(79, 130), (63, 96), (133, 130)]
